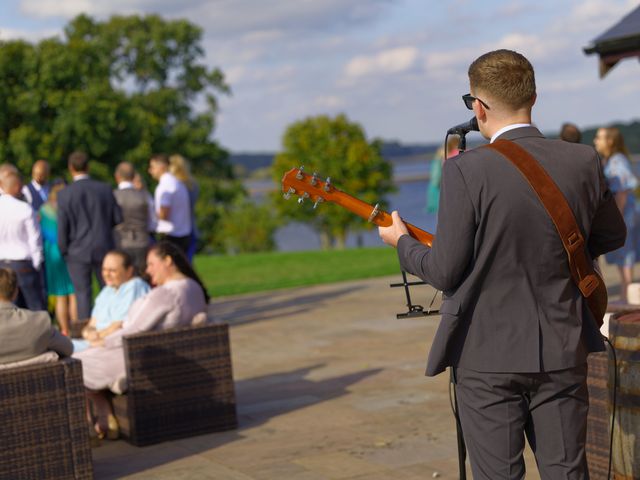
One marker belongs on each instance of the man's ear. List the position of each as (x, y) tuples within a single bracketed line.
[(480, 111), (533, 100)]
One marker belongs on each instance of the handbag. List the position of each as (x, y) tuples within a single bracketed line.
[(583, 272)]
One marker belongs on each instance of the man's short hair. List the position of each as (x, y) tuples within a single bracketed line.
[(506, 76), (79, 161), (7, 168), (8, 283), (160, 158), (41, 163), (126, 171), (11, 181), (570, 133)]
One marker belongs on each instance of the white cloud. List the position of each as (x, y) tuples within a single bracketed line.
[(590, 16), (394, 60), (222, 17), (70, 8), (29, 35), (331, 102), (261, 36)]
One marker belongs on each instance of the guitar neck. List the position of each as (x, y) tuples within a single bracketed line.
[(382, 218), (310, 186)]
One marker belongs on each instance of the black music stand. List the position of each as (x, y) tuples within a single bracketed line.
[(413, 310)]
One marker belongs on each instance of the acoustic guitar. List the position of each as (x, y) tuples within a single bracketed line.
[(311, 187)]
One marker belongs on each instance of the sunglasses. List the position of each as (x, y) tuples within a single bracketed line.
[(468, 100)]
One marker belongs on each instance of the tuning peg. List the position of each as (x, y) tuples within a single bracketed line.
[(288, 193), (314, 179), (317, 202), (327, 184), (300, 174), (302, 197)]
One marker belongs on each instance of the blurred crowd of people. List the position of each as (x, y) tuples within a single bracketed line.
[(55, 236)]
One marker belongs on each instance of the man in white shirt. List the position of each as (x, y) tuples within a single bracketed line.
[(21, 243), (172, 204), (36, 192), (6, 168)]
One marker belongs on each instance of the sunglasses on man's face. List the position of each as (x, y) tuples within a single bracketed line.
[(468, 100)]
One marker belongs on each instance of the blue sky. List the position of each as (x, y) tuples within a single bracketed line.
[(397, 67)]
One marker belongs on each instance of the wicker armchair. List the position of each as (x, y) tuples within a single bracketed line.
[(598, 421), (44, 434), (180, 384)]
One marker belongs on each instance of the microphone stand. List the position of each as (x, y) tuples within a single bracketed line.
[(462, 143), (462, 448)]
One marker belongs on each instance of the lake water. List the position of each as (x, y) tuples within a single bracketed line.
[(409, 200)]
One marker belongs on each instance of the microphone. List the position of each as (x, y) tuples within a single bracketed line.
[(464, 128)]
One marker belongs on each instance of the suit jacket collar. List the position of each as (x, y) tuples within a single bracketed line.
[(518, 133)]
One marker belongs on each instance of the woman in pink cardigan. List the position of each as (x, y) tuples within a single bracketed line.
[(178, 295)]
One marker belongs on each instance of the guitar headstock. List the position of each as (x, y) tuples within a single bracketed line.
[(297, 182)]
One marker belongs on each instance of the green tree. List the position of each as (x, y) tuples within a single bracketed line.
[(248, 227), (336, 148), (119, 89)]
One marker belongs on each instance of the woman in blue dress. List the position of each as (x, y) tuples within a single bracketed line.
[(59, 283), (622, 182), (112, 304)]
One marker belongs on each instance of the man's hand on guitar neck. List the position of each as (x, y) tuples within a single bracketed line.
[(391, 234)]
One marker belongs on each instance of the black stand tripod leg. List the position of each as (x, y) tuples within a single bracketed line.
[(462, 448)]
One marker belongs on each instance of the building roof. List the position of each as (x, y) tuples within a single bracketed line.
[(620, 41)]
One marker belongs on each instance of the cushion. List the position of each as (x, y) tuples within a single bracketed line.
[(46, 357)]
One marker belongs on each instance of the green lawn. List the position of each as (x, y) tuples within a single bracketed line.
[(230, 275)]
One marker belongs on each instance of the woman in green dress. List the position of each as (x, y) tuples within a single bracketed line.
[(58, 281), (435, 173)]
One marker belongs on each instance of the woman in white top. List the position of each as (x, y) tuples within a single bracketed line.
[(178, 295)]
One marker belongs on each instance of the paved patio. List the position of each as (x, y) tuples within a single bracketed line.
[(330, 385)]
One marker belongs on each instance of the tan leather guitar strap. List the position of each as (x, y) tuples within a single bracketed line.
[(556, 205)]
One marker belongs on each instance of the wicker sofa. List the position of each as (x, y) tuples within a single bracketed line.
[(180, 384), (44, 433)]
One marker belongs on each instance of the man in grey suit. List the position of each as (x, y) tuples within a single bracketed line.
[(514, 327), (25, 334), (132, 235), (87, 213)]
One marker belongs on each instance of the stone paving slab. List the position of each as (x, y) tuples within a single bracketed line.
[(330, 385)]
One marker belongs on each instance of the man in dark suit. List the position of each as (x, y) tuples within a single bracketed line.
[(36, 191), (87, 213), (514, 327), (25, 334)]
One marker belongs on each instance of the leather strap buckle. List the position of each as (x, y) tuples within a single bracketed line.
[(588, 284)]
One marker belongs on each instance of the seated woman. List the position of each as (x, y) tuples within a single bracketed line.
[(112, 304), (178, 295)]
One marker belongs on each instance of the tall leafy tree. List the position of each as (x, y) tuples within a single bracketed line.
[(336, 148), (120, 89)]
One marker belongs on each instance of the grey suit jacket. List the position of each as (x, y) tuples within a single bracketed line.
[(133, 231), (25, 334), (510, 304)]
